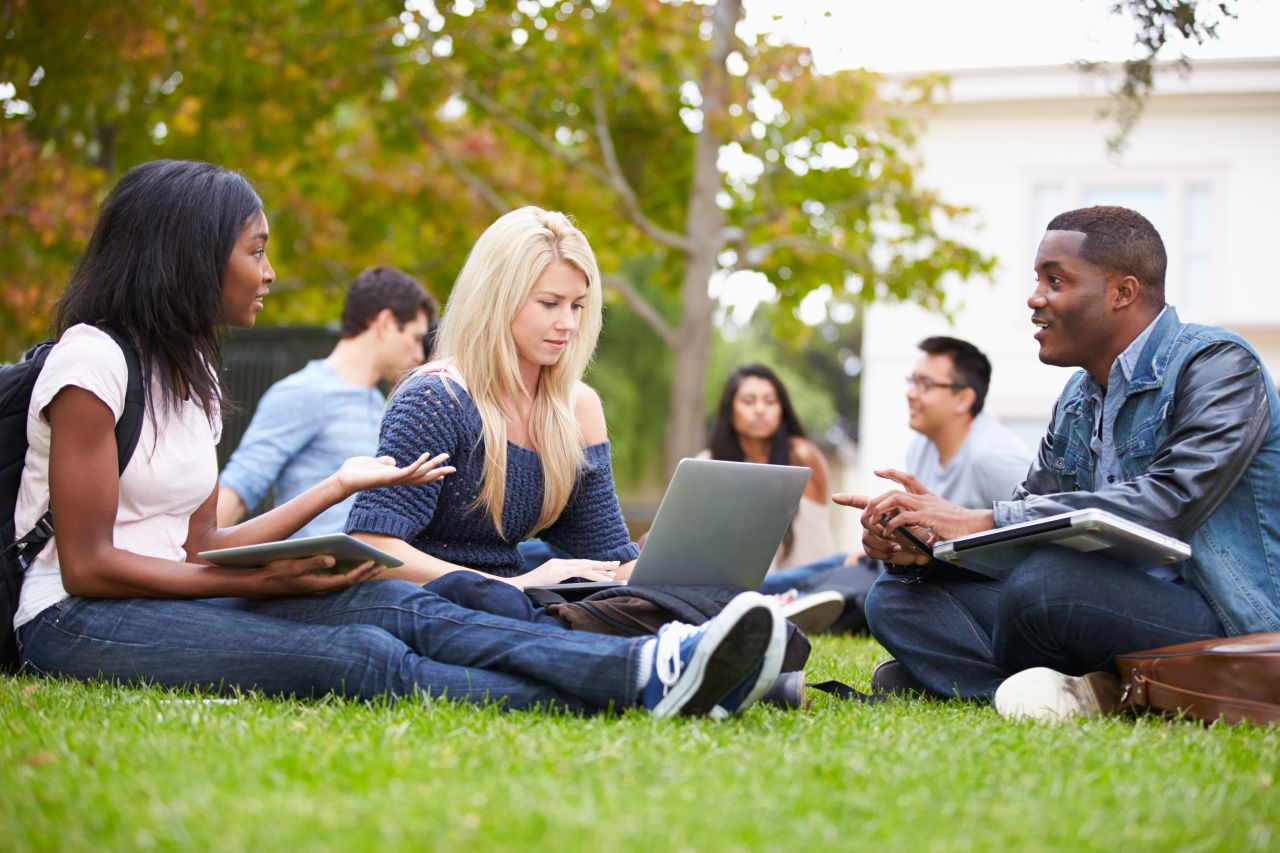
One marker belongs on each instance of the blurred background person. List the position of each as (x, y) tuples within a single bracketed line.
[(306, 424), (755, 422), (960, 452)]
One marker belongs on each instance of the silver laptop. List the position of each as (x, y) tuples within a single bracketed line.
[(719, 524), (996, 552)]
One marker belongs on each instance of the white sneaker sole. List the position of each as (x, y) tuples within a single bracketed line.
[(815, 612), (1046, 695), (736, 641), (770, 666)]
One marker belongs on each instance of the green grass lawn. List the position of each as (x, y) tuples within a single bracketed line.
[(95, 767)]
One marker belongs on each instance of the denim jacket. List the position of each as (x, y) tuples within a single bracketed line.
[(1198, 448)]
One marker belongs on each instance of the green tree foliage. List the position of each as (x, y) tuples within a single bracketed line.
[(672, 138), (45, 219), (632, 370), (389, 133), (287, 92), (1156, 23)]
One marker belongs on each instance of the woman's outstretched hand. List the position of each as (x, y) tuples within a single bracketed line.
[(559, 571), (366, 472), (311, 576)]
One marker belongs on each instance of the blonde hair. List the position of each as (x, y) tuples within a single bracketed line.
[(475, 334)]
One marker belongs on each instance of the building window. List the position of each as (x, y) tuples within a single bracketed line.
[(1197, 241), (1180, 208)]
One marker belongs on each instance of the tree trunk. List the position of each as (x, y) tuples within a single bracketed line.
[(685, 430), (702, 228)]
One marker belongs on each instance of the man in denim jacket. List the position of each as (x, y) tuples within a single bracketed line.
[(1170, 425)]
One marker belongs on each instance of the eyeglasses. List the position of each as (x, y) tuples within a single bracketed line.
[(925, 384)]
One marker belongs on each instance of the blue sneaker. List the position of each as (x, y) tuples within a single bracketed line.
[(695, 667), (755, 685)]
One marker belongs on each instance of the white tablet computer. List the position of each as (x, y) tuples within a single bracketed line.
[(995, 552), (347, 550)]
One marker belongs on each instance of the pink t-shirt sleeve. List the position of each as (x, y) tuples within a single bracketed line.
[(86, 358)]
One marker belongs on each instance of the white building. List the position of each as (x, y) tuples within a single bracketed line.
[(1020, 145)]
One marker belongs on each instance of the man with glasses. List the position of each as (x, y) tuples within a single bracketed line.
[(961, 453)]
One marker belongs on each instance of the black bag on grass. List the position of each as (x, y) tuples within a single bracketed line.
[(16, 553)]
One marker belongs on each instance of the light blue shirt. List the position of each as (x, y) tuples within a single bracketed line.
[(1106, 405), (305, 426)]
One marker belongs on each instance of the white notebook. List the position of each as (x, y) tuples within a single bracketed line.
[(995, 552)]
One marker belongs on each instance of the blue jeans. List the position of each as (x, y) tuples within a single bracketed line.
[(490, 595), (961, 633), (781, 581), (381, 638)]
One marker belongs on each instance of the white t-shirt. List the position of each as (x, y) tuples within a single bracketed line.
[(160, 488)]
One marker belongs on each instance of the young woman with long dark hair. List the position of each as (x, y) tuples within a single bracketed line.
[(755, 422)]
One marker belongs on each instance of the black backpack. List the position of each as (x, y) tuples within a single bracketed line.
[(16, 384)]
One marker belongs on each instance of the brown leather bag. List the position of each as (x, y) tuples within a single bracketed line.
[(1236, 679)]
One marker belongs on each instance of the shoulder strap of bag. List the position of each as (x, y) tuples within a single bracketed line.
[(1142, 692), (840, 690), (128, 432)]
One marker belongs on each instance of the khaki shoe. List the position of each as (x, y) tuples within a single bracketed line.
[(816, 612), (1049, 696)]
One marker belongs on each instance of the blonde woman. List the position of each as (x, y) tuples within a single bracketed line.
[(505, 399)]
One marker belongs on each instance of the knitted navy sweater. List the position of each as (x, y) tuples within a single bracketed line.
[(437, 518)]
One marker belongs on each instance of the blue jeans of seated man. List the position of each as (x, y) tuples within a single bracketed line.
[(776, 583), (961, 633), (383, 637)]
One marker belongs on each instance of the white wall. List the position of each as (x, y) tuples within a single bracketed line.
[(1208, 147)]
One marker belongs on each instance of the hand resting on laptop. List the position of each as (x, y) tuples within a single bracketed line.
[(573, 571)]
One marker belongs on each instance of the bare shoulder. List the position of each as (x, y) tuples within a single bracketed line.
[(589, 412), (805, 452)]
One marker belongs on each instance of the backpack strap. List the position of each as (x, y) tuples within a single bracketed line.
[(129, 427), (128, 432)]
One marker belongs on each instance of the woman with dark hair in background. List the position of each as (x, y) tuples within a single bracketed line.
[(180, 251), (755, 422)]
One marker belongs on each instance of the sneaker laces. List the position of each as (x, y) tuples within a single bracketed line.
[(667, 661), (785, 598)]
